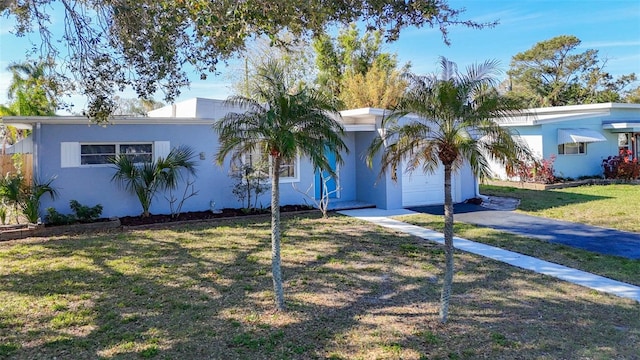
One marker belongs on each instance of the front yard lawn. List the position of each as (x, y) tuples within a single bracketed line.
[(613, 267), (353, 290), (611, 206)]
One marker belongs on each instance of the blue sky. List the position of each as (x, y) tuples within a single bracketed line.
[(610, 26)]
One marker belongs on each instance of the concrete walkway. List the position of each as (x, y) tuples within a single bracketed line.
[(596, 282)]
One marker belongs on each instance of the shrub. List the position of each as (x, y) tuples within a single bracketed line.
[(535, 172), (3, 213), (250, 181), (31, 198), (85, 213), (53, 217), (81, 213), (12, 188), (621, 166), (25, 198)]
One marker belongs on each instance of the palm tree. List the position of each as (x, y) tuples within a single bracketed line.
[(31, 90), (147, 178), (12, 189), (453, 124), (30, 204), (25, 197), (282, 123)]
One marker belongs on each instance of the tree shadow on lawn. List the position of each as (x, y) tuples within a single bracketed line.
[(538, 200), (352, 291)]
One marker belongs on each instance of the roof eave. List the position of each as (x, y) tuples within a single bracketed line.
[(81, 120)]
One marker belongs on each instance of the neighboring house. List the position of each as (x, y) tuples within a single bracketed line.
[(579, 136), (24, 146), (76, 152)]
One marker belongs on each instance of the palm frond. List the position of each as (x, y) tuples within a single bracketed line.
[(287, 121), (453, 121), (146, 179)]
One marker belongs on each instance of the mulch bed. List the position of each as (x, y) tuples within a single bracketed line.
[(203, 215), (13, 232)]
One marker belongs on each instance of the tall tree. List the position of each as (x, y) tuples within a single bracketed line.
[(551, 73), (283, 121), (147, 44), (135, 107), (377, 88), (32, 91), (454, 124), (633, 96), (356, 70), (294, 53)]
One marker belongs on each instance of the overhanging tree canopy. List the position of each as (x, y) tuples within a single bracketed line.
[(147, 44)]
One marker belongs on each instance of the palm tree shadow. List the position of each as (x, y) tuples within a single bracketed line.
[(346, 290), (460, 208)]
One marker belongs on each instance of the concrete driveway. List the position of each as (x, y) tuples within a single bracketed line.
[(591, 238)]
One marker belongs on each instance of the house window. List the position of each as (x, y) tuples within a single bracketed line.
[(96, 154), (288, 170), (572, 148), (624, 142), (75, 154), (138, 153), (100, 154), (257, 159)]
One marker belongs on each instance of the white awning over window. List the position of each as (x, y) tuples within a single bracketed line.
[(622, 126), (567, 136)]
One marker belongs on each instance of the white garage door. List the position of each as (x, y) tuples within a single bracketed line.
[(420, 188)]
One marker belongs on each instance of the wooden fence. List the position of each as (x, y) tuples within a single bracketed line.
[(7, 165)]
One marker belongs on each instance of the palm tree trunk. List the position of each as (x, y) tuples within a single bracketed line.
[(448, 246), (276, 268)]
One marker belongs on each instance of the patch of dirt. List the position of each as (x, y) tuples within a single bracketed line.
[(204, 215)]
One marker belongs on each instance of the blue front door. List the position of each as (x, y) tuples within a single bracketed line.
[(329, 185)]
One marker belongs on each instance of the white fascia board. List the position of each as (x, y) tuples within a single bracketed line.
[(364, 112), (81, 120), (584, 108), (622, 126), (533, 117), (359, 127), (363, 116)]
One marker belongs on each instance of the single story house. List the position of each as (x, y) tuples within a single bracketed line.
[(76, 153), (579, 136)]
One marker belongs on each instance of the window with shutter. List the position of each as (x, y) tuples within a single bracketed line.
[(75, 154), (69, 154)]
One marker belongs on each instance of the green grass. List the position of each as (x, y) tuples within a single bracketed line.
[(611, 206), (353, 291), (614, 267)]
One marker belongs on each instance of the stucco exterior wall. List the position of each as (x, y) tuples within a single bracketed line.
[(91, 185), (189, 123), (372, 188), (347, 171), (542, 136), (466, 184), (573, 166)]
